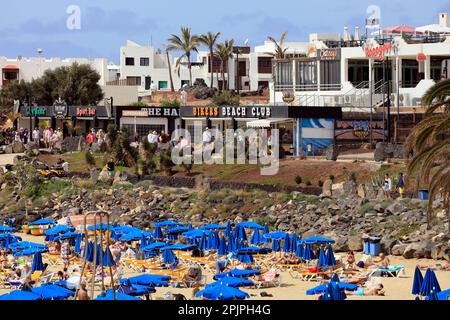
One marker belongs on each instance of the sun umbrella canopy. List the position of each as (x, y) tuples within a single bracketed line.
[(135, 236), (399, 29), (108, 259), (168, 257), (7, 229), (444, 295), (167, 223), (42, 222), (203, 244), (99, 226), (213, 226), (222, 251), (417, 282), (275, 235), (238, 273), (37, 265), (135, 290), (222, 293), (59, 229), (20, 295), (276, 245), (245, 258), (157, 234), (119, 296), (179, 247), (329, 259), (195, 233), (154, 246), (177, 230), (429, 283), (231, 282), (322, 288), (253, 250), (256, 238), (52, 292), (30, 251), (307, 253), (148, 280), (250, 225), (67, 235), (320, 240), (287, 243)]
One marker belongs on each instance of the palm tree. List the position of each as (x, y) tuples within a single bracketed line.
[(170, 69), (210, 40), (429, 142), (225, 51), (187, 43), (280, 51)]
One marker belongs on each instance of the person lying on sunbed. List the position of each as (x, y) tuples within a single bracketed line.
[(284, 259), (376, 290), (437, 266), (193, 275), (349, 262), (383, 261), (359, 280)]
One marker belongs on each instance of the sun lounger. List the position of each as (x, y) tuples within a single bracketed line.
[(269, 279), (392, 271)]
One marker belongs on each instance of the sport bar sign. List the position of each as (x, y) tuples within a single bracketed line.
[(86, 112)]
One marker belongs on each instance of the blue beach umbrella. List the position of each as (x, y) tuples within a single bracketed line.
[(52, 292), (6, 229), (42, 222), (119, 296), (108, 259), (179, 247), (213, 226), (279, 235), (135, 290), (417, 282), (264, 233), (148, 280), (329, 259), (322, 288), (228, 231), (203, 244), (276, 245), (168, 257), (322, 259), (307, 253), (154, 246), (287, 243), (231, 244), (167, 223), (433, 295), (77, 248), (190, 227), (256, 238), (231, 282), (222, 251), (245, 258), (37, 265), (222, 293), (89, 251), (299, 251), (158, 233), (238, 273), (143, 240), (429, 283), (250, 225), (294, 240), (444, 295), (19, 295)]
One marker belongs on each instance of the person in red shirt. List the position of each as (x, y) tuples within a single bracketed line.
[(90, 139)]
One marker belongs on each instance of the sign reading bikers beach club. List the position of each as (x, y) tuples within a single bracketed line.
[(237, 112)]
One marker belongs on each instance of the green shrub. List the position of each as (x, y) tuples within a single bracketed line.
[(225, 99), (308, 182), (352, 176), (89, 158), (168, 103)]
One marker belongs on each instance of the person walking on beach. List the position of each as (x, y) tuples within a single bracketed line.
[(65, 253), (206, 137), (36, 136), (401, 185), (387, 187), (90, 139)]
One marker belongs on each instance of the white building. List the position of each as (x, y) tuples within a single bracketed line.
[(148, 69), (28, 69)]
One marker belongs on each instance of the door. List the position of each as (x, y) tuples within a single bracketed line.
[(148, 83)]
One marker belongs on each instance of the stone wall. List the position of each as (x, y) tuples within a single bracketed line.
[(384, 151)]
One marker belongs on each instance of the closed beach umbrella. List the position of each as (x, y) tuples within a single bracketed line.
[(77, 248), (256, 238), (228, 231), (222, 293), (287, 243), (276, 245), (168, 257), (299, 251), (433, 295), (307, 253), (213, 240), (230, 244), (429, 283), (293, 240), (245, 258), (417, 282), (99, 254), (265, 231), (222, 247), (158, 233), (37, 265), (203, 244), (190, 227), (329, 259), (108, 259), (143, 240), (322, 260)]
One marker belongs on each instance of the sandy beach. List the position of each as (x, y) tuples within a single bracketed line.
[(295, 289)]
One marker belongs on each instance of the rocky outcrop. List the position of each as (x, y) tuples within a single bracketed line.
[(384, 151), (332, 152)]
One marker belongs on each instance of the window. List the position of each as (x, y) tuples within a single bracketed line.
[(183, 82), (134, 81), (264, 65), (10, 75), (330, 75), (162, 85), (142, 130), (263, 84), (217, 63), (410, 73), (358, 72), (306, 75), (129, 61), (145, 62), (283, 76)]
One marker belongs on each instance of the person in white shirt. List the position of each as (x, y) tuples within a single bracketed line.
[(153, 137), (65, 166), (36, 136), (206, 137), (387, 186)]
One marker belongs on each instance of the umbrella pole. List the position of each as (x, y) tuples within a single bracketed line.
[(109, 262), (94, 267), (86, 239)]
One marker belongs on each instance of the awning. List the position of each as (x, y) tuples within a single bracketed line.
[(264, 123), (10, 67)]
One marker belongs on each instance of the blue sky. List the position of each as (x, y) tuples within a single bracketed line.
[(26, 25)]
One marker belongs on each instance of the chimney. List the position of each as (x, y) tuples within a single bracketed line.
[(444, 20)]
